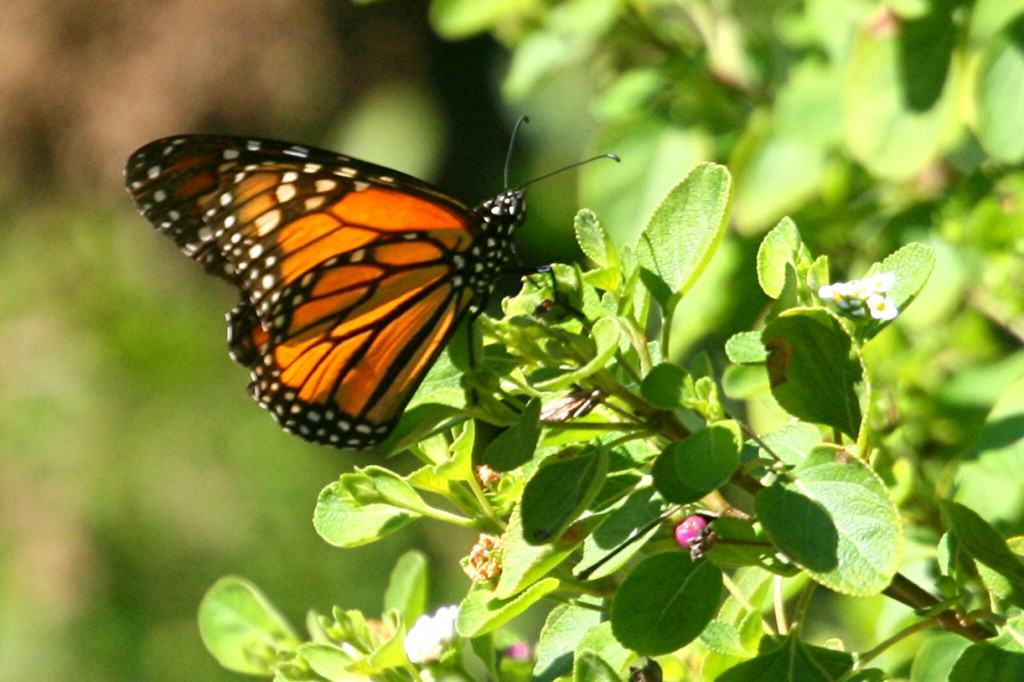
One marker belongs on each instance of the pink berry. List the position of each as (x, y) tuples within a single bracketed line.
[(690, 529)]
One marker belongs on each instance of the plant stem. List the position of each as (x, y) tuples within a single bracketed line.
[(779, 603), (802, 605), (570, 584), (448, 517), (906, 592), (485, 505), (594, 426)]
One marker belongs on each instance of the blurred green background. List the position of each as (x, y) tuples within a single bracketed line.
[(135, 470)]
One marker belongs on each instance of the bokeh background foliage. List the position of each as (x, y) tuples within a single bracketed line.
[(135, 470)]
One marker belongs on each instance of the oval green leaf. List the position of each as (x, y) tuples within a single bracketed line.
[(241, 628), (343, 522), (665, 602), (559, 491), (779, 249), (836, 521), (515, 445), (407, 588), (689, 469), (687, 227), (666, 385)]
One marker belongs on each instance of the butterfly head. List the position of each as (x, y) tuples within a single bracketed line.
[(503, 213)]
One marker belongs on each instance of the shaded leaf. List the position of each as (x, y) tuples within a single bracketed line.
[(813, 369)]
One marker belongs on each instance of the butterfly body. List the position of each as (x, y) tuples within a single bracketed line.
[(352, 276)]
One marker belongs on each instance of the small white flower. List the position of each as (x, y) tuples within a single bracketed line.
[(859, 297), (851, 289), (882, 308), (880, 282), (427, 640)]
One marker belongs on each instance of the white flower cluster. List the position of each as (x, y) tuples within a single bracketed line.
[(427, 639), (860, 297)]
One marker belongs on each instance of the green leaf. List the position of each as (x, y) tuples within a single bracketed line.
[(389, 653), (627, 522), (746, 348), (982, 661), (799, 526), (593, 240), (522, 563), (589, 667), (898, 99), (665, 386), (779, 248), (416, 424), (459, 464), (407, 588), (443, 383), (686, 228), (563, 629), (912, 264), (743, 382), (689, 469), (791, 661), (935, 658), (559, 491), (344, 522), (983, 542), (330, 662), (791, 444), (998, 84), (737, 544), (836, 521), (813, 369), (655, 157), (724, 638), (601, 641), (374, 484), (241, 628), (606, 333), (738, 628), (665, 602), (482, 611), (515, 445)]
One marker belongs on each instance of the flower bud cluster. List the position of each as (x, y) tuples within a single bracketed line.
[(863, 297), (484, 560)]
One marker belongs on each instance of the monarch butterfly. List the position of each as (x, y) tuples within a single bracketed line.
[(352, 276)]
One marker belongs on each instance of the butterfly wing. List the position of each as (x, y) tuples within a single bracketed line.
[(353, 276)]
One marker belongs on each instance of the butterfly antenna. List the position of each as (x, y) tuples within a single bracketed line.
[(606, 155), (512, 143)]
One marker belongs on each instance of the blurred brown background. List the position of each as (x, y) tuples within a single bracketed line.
[(134, 469)]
